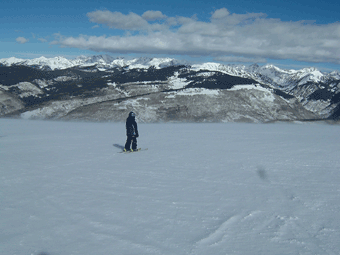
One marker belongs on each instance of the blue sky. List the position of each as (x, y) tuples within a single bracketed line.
[(289, 34)]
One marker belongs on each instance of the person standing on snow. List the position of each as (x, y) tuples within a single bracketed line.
[(131, 132)]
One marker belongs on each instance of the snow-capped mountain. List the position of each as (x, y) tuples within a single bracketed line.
[(42, 62), (164, 89), (103, 61)]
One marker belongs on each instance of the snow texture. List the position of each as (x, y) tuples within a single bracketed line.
[(199, 189)]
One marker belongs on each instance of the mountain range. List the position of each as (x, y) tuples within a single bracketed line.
[(103, 88)]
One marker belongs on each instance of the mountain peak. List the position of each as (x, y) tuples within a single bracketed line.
[(107, 61), (10, 61)]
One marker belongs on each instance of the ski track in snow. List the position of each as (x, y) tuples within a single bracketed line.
[(199, 189)]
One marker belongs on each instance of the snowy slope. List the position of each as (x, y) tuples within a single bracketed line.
[(200, 189), (289, 78)]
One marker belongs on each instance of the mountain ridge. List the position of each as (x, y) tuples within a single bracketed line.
[(38, 88)]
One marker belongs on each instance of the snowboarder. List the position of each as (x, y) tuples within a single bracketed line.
[(131, 132)]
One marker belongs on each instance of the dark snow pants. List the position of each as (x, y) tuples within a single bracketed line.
[(130, 139)]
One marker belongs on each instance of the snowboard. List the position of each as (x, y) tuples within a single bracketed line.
[(138, 150)]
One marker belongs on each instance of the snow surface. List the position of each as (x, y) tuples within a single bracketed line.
[(268, 95), (194, 91), (250, 86), (199, 189), (177, 83)]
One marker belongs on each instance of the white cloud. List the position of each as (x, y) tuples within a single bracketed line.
[(22, 40), (42, 40), (220, 13), (247, 36), (153, 15), (117, 20)]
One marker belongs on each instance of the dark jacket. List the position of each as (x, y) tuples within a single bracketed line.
[(131, 126)]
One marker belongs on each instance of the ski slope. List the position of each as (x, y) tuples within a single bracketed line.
[(199, 189)]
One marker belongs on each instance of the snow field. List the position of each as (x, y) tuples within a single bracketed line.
[(199, 189)]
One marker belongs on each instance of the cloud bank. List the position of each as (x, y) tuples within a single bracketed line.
[(227, 36)]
